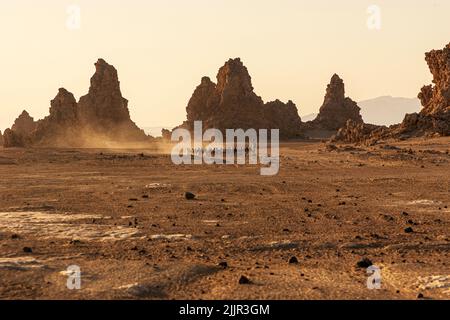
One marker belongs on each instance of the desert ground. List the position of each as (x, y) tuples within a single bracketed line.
[(122, 217)]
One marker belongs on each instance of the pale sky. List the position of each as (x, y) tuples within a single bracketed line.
[(162, 48)]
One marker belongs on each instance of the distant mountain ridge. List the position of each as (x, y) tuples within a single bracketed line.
[(387, 110)]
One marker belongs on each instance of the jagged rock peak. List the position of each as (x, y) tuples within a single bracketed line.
[(233, 104), (336, 108), (24, 123), (206, 81), (434, 118), (335, 89), (105, 78), (233, 78), (436, 99), (104, 102), (63, 107), (64, 92), (199, 106), (63, 96)]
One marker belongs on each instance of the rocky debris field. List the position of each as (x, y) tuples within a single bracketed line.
[(140, 227)]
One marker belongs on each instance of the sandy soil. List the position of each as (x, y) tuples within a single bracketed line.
[(121, 215)]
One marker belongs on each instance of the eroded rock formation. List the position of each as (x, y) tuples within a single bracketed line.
[(232, 104), (104, 111), (434, 118), (11, 139), (336, 109), (166, 134), (61, 127), (21, 131), (436, 99), (100, 118), (24, 124), (357, 132)]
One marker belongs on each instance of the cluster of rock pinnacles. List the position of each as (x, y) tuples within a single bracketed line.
[(103, 113)]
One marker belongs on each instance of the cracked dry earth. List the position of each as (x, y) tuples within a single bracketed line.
[(122, 217)]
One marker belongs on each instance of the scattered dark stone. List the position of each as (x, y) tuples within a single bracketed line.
[(405, 213), (293, 260), (74, 241), (15, 236), (286, 230), (145, 196), (223, 264), (387, 217), (189, 196), (130, 206), (244, 280), (223, 200), (27, 249), (409, 230), (364, 263), (342, 203), (133, 199), (420, 296)]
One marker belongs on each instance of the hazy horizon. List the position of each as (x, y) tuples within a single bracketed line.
[(291, 49)]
